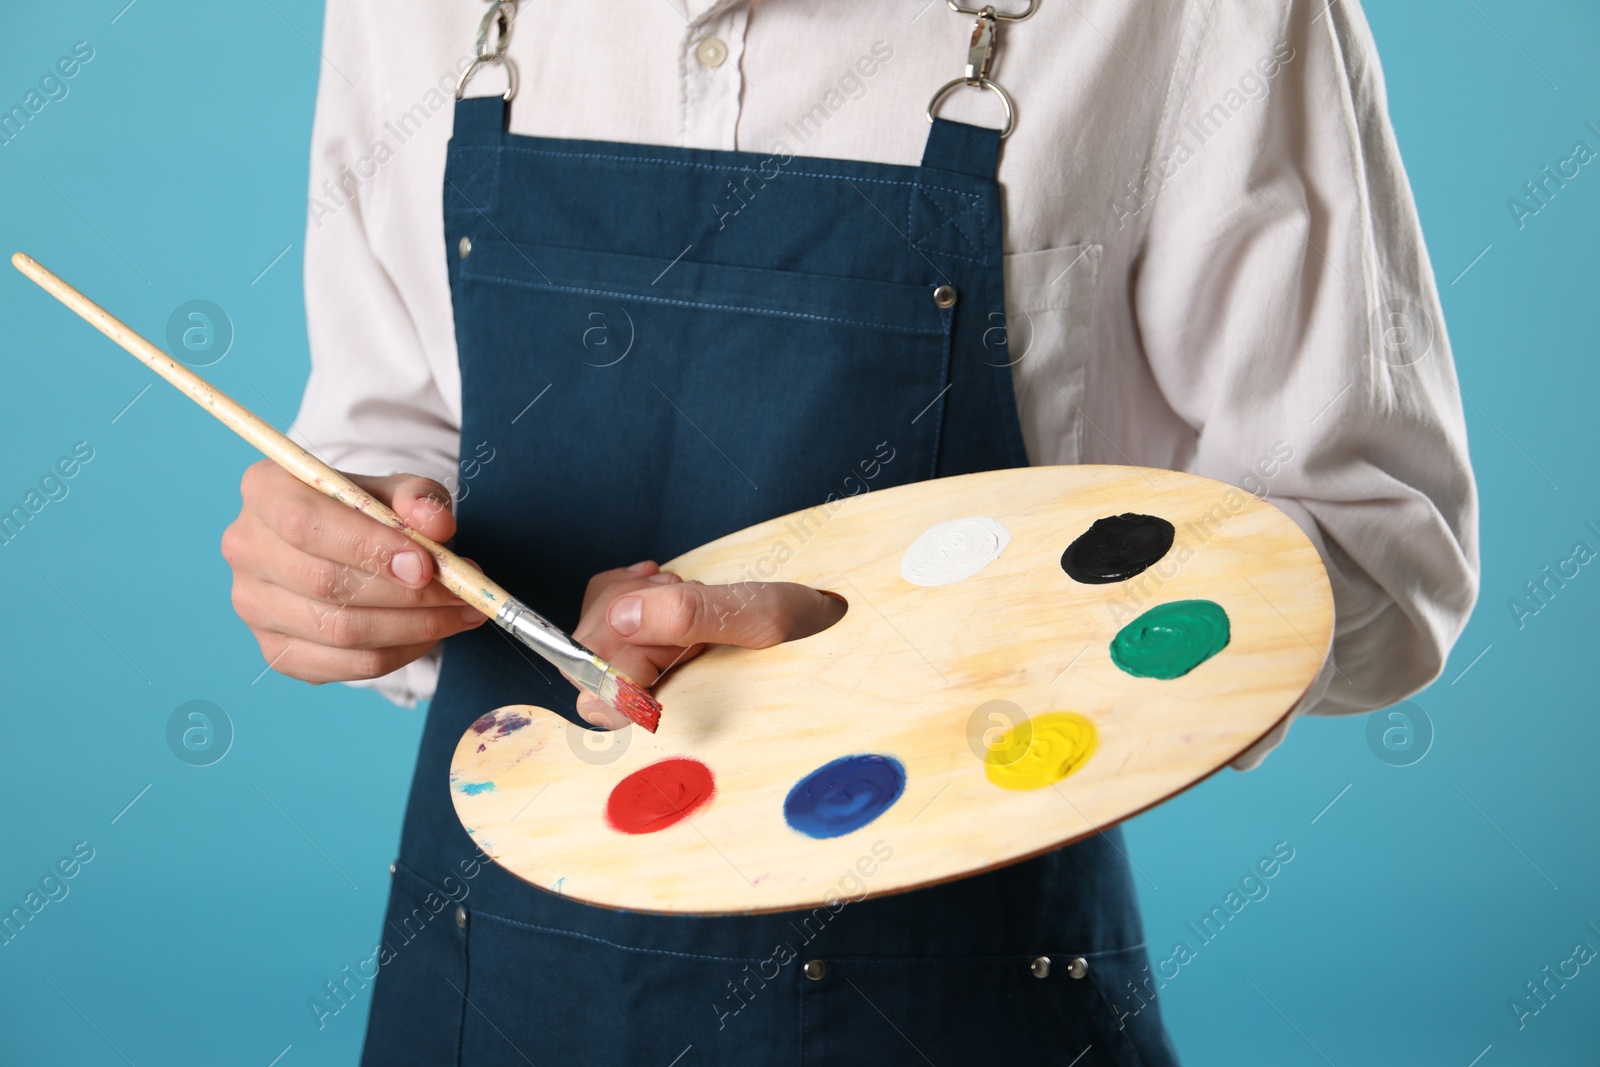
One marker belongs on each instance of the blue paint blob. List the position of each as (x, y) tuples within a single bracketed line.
[(472, 789), (844, 795)]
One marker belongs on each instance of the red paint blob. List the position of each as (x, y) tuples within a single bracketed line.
[(659, 795)]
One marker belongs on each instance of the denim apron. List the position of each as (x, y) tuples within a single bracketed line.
[(660, 346)]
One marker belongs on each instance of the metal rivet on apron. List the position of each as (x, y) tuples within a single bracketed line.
[(393, 867), (465, 247), (1078, 968), (815, 970), (945, 296), (1040, 967), (711, 52), (461, 918)]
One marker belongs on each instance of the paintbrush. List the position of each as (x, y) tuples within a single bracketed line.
[(586, 670)]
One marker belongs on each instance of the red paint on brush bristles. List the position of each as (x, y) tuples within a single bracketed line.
[(638, 705)]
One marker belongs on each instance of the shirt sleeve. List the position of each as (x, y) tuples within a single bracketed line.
[(371, 404), (1289, 314)]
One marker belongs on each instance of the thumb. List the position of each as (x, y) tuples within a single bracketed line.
[(421, 502), (748, 614)]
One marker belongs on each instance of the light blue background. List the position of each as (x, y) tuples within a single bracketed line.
[(220, 902)]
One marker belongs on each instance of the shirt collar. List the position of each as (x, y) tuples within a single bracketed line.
[(698, 11)]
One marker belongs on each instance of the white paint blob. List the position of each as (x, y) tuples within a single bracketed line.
[(954, 550)]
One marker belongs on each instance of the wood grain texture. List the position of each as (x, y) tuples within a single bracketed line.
[(902, 675), (453, 572)]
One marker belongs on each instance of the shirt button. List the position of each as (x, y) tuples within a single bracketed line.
[(1078, 968), (944, 296), (815, 970), (1040, 967), (461, 916), (464, 246), (711, 52)]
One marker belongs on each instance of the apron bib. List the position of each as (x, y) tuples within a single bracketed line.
[(660, 346)]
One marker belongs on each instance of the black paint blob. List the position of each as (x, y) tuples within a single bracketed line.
[(1116, 548)]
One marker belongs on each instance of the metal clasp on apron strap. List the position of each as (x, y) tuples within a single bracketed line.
[(980, 57), (496, 24)]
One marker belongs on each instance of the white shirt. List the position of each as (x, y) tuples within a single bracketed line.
[(1213, 260)]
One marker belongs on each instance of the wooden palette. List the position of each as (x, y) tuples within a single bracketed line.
[(928, 678)]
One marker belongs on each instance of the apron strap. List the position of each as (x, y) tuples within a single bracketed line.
[(964, 149), (481, 120)]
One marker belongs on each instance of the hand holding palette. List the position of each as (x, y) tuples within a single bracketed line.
[(1029, 656)]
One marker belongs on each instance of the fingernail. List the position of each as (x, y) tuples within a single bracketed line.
[(640, 567), (626, 615), (407, 566), (473, 616), (663, 578), (594, 711)]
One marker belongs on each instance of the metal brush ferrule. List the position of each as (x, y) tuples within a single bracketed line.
[(582, 666)]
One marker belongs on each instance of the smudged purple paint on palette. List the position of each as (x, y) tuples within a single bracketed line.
[(502, 722)]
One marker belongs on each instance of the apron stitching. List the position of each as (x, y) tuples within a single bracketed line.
[(955, 222), (800, 1034), (917, 243), (466, 984), (947, 319), (737, 959), (1105, 1002), (893, 290), (913, 331), (707, 166), (983, 959), (951, 219), (613, 944), (951, 255)]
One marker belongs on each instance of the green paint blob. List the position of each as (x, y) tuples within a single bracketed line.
[(1170, 640)]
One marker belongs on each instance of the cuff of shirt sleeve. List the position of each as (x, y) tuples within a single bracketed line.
[(377, 462), (412, 683)]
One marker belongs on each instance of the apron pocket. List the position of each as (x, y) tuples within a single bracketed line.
[(707, 397), (558, 997), (956, 1011), (783, 294), (422, 976)]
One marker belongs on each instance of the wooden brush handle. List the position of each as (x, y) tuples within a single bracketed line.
[(452, 572)]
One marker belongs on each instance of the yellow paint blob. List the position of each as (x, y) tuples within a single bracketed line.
[(1041, 751)]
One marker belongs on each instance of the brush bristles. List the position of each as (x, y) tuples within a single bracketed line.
[(637, 704)]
